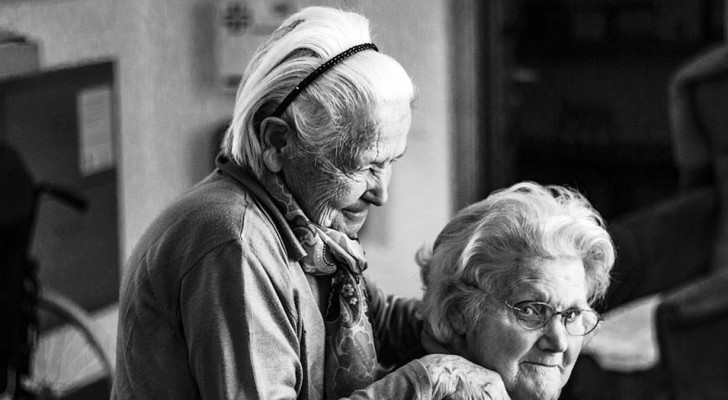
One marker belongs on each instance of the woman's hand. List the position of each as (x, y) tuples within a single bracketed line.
[(455, 378)]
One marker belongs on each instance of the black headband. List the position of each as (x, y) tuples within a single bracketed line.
[(318, 71)]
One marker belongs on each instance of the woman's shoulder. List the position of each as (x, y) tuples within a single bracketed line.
[(213, 212), (215, 209)]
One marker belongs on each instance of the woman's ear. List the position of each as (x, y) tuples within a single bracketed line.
[(275, 135), (460, 328), (456, 318)]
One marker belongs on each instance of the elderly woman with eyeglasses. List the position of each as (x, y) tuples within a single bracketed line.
[(510, 283)]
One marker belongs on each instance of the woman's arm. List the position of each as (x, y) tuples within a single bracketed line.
[(242, 338), (397, 326)]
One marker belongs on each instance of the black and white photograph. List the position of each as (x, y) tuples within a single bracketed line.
[(364, 199)]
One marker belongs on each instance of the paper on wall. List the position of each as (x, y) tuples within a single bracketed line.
[(94, 112)]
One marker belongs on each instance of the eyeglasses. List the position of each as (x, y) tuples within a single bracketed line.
[(534, 315)]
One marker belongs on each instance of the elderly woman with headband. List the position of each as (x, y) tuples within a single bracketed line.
[(510, 284), (250, 285)]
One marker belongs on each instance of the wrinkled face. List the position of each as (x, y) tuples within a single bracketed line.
[(534, 364), (339, 199)]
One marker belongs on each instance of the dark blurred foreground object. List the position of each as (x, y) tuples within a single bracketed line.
[(692, 321), (17, 278), (47, 342), (679, 249)]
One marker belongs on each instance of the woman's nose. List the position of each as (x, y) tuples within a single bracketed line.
[(554, 336), (378, 190)]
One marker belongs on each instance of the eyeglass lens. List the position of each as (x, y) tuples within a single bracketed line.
[(535, 315)]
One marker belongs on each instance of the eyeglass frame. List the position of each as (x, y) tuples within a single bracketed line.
[(546, 322)]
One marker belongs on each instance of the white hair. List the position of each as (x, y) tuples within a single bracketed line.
[(327, 116), (483, 246)]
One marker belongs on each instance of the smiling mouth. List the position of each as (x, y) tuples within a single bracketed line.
[(538, 364), (355, 214)]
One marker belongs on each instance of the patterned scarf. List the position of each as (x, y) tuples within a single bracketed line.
[(351, 358)]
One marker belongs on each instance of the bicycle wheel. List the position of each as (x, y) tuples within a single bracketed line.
[(68, 360)]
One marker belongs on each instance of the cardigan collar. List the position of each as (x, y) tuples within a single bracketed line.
[(246, 179)]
